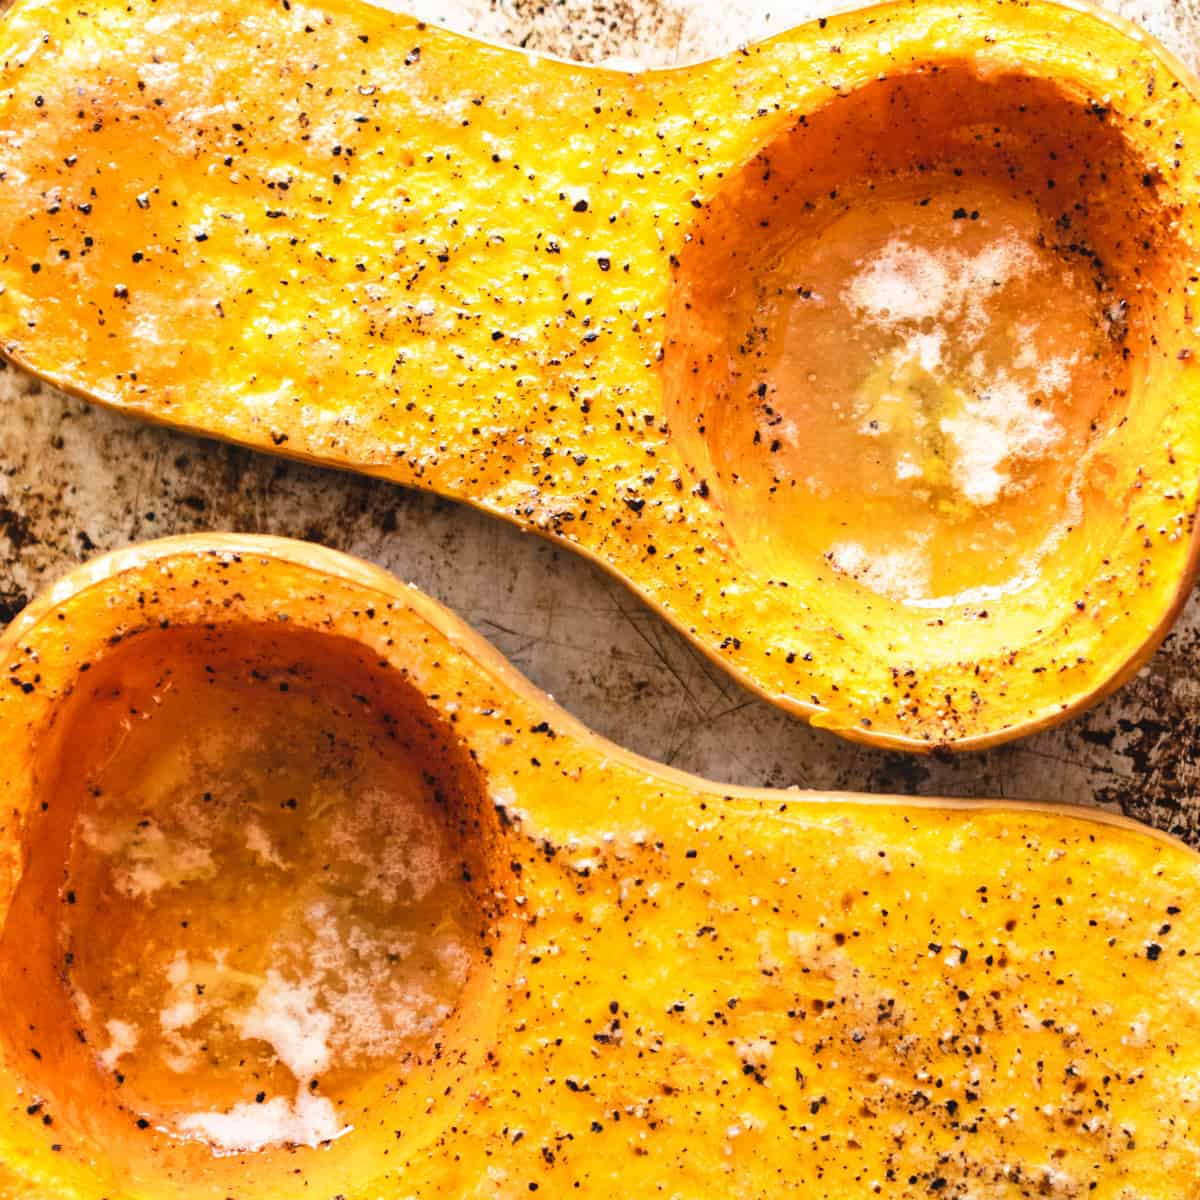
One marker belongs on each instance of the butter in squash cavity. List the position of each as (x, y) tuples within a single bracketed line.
[(264, 898), (927, 422)]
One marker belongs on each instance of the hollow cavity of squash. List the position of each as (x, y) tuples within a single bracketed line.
[(261, 897), (265, 904), (902, 335)]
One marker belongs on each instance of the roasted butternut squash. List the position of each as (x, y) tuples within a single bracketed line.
[(304, 891), (865, 354)]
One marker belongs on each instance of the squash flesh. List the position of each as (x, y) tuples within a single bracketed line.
[(778, 992), (376, 245)]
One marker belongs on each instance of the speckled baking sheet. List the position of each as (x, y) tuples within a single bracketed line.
[(77, 480)]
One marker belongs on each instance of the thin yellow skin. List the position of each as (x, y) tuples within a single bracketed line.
[(793, 1011), (424, 302)]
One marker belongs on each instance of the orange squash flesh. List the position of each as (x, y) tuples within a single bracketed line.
[(865, 355), (672, 986)]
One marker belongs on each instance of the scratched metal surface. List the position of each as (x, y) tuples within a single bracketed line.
[(75, 481)]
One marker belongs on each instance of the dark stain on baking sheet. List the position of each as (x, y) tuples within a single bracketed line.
[(1151, 737)]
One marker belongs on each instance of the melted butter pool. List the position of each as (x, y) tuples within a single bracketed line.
[(914, 389), (265, 906)]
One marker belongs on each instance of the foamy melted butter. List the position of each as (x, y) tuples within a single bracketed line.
[(145, 858), (955, 428), (910, 389), (342, 990), (306, 1120), (297, 929)]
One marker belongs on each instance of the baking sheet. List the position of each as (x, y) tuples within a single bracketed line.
[(76, 480)]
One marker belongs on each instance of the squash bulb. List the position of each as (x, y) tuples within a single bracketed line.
[(267, 904)]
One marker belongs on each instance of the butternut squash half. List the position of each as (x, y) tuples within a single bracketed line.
[(305, 892), (865, 355)]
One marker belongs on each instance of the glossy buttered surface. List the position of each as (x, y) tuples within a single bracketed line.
[(343, 818), (864, 355)]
